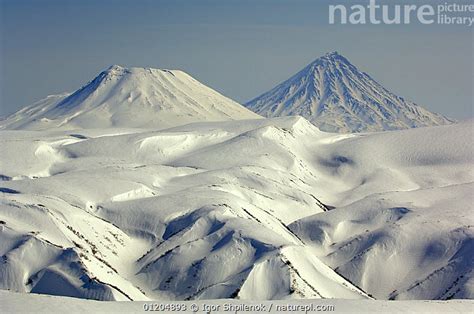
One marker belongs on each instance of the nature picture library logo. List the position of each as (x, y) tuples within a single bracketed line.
[(446, 13)]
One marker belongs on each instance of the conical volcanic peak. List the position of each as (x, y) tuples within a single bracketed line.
[(131, 98), (335, 96)]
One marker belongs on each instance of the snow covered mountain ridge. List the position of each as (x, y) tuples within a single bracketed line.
[(130, 98), (249, 209), (336, 97)]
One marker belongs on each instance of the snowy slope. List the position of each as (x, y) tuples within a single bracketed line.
[(403, 228), (130, 98), (23, 303), (335, 96), (248, 209)]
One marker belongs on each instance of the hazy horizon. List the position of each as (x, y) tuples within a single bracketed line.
[(240, 48)]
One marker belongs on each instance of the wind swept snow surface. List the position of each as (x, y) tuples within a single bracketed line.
[(21, 303), (249, 209), (130, 98), (336, 97)]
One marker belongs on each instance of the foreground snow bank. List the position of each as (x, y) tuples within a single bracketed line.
[(28, 303)]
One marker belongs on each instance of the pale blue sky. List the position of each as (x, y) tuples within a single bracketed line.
[(240, 48)]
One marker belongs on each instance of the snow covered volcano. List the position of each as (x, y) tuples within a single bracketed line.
[(130, 98), (335, 96)]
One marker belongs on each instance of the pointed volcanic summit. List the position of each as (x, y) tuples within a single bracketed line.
[(335, 96), (130, 98)]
